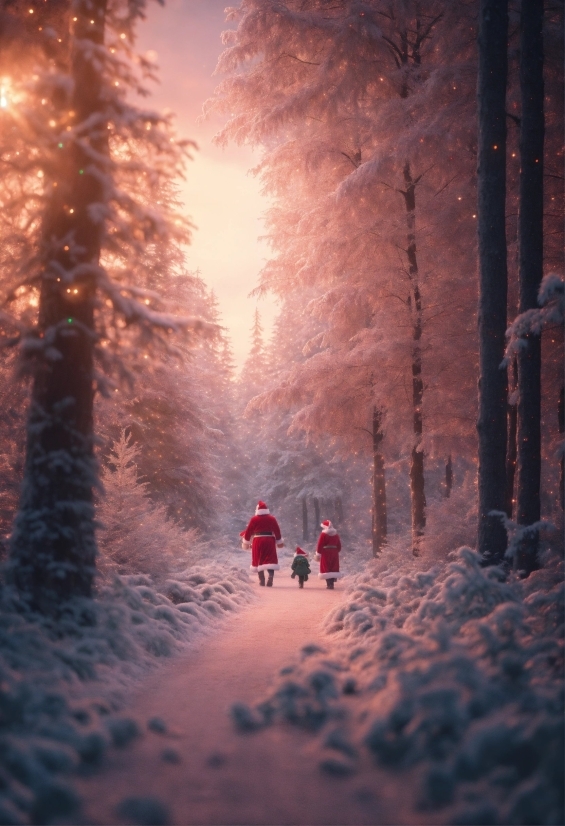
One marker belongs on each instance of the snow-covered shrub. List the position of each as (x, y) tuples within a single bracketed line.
[(63, 683), (137, 536), (454, 674)]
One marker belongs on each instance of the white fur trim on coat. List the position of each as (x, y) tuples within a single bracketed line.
[(332, 575), (305, 556), (270, 566), (261, 511)]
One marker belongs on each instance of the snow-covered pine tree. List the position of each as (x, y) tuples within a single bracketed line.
[(136, 536), (254, 374), (77, 153)]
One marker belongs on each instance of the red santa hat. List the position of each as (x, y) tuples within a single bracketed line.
[(261, 508), (300, 552), (327, 527)]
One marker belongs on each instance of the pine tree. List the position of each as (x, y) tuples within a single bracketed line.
[(254, 373), (74, 224), (136, 536)]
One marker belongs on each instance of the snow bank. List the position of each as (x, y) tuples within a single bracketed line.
[(452, 676), (62, 683)]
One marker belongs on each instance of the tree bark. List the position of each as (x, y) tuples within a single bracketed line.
[(493, 278), (53, 548), (561, 423), (339, 510), (511, 447), (316, 514), (379, 487), (448, 477), (304, 520), (417, 486), (530, 240)]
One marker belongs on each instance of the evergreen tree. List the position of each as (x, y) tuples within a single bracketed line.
[(74, 224), (136, 535), (254, 374)]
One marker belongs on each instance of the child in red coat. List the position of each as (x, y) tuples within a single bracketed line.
[(327, 553)]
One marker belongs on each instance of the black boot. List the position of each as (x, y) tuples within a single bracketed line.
[(301, 582), (261, 577), (330, 583), (270, 580)]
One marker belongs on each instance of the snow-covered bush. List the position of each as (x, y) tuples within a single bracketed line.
[(453, 674), (62, 683), (137, 536)]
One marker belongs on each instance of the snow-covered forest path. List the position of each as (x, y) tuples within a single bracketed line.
[(205, 772)]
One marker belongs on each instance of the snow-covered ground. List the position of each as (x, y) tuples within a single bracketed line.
[(411, 694), (450, 679), (64, 684)]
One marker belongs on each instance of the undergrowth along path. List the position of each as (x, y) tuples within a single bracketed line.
[(197, 769)]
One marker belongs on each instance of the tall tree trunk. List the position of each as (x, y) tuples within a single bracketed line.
[(53, 548), (493, 277), (417, 488), (530, 239), (379, 487), (561, 423), (511, 446), (304, 520), (448, 477), (339, 510), (316, 514)]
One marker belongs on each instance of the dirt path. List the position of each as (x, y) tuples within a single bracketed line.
[(221, 777)]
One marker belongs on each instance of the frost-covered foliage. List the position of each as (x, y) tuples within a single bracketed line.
[(62, 683), (454, 674), (137, 536), (551, 313), (366, 115)]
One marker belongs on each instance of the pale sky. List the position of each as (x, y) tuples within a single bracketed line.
[(222, 199)]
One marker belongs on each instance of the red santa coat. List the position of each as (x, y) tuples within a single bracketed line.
[(327, 554), (263, 535)]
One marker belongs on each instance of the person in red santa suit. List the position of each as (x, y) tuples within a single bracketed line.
[(263, 536), (327, 553)]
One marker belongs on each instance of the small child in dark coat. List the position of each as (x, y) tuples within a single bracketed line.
[(300, 567)]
